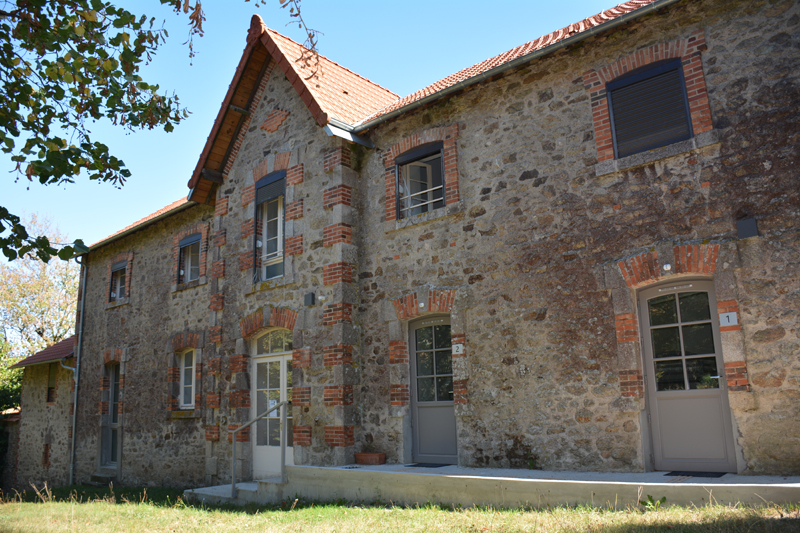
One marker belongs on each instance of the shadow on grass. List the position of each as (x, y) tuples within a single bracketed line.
[(767, 518)]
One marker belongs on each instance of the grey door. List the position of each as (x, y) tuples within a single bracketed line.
[(433, 415), (687, 393)]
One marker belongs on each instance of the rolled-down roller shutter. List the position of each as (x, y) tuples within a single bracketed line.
[(649, 109)]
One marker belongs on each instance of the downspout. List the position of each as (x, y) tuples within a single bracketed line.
[(77, 370)]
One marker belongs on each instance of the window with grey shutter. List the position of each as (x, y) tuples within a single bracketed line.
[(648, 108)]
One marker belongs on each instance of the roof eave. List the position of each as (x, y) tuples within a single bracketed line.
[(622, 19), (23, 364), (141, 226)]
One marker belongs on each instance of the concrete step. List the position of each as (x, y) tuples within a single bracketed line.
[(453, 485), (102, 479), (221, 494)]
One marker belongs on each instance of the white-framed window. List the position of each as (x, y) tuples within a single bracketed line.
[(269, 234), (118, 282), (189, 259), (187, 363), (420, 180), (272, 238)]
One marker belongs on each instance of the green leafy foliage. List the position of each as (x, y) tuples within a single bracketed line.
[(64, 63), (10, 378), (651, 504)]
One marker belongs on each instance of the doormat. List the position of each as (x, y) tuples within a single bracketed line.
[(428, 465), (695, 474)]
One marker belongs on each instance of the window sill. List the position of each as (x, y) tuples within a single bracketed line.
[(118, 303), (416, 220), (700, 140), (269, 284), (190, 285), (274, 283), (184, 414)]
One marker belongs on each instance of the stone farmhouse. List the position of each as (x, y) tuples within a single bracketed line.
[(582, 254)]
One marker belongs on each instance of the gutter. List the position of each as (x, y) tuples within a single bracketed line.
[(77, 370), (138, 227), (508, 66)]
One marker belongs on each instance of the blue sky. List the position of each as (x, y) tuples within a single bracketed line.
[(401, 45)]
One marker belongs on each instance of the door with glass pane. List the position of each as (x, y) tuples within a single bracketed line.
[(272, 384), (433, 414), (685, 379)]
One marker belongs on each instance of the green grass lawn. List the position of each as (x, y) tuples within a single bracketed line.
[(86, 509)]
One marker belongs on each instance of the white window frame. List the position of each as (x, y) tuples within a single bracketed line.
[(284, 358), (183, 381), (268, 259), (186, 265), (117, 279), (410, 203)]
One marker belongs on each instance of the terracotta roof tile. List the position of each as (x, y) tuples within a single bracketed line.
[(143, 222), (340, 92), (514, 53), (56, 352)]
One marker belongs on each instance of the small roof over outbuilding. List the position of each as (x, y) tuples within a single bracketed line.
[(58, 351)]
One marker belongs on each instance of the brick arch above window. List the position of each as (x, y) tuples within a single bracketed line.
[(281, 317), (688, 50), (188, 339), (438, 301), (646, 268), (448, 135), (201, 229)]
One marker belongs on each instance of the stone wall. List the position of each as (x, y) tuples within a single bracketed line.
[(160, 444), (540, 224), (42, 453)]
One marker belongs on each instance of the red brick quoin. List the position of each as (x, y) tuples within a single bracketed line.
[(687, 49), (335, 158), (736, 375), (339, 436), (301, 358), (340, 194), (399, 394), (301, 435), (337, 273), (449, 136), (398, 352), (631, 383), (337, 354)]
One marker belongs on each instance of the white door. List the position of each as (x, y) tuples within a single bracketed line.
[(685, 379), (272, 384)]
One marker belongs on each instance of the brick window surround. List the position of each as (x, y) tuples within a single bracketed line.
[(203, 230), (182, 343), (448, 135), (128, 258), (688, 50), (645, 269)]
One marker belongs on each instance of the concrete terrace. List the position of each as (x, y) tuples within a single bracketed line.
[(453, 485)]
